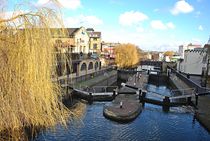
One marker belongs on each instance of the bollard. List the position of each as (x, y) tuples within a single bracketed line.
[(90, 100), (121, 104), (143, 95), (196, 100), (114, 94), (188, 75), (166, 104), (140, 95)]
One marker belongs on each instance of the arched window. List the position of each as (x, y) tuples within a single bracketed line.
[(90, 66), (96, 65), (83, 67)]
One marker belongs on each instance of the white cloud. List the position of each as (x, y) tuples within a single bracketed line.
[(196, 41), (148, 40), (3, 4), (200, 28), (42, 2), (6, 15), (170, 25), (10, 14), (70, 4), (140, 29), (132, 18), (158, 24), (81, 20), (182, 7)]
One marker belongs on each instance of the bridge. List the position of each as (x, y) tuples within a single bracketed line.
[(152, 63)]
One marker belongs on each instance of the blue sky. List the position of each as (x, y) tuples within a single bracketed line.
[(151, 24)]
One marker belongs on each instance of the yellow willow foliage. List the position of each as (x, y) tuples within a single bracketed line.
[(169, 53), (126, 55), (28, 97)]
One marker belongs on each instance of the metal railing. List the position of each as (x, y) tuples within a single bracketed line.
[(183, 91), (104, 89), (191, 83)]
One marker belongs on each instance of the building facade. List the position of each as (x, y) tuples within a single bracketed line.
[(73, 43), (108, 49), (74, 39), (190, 46), (94, 41), (194, 61)]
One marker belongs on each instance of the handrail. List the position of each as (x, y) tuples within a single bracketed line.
[(95, 87), (186, 80)]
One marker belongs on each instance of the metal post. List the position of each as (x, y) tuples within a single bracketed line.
[(166, 104), (114, 94), (140, 94), (90, 100), (189, 100), (196, 99), (121, 104), (142, 98)]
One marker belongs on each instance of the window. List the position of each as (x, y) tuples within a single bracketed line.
[(72, 49), (94, 46), (90, 66), (96, 65), (83, 67)]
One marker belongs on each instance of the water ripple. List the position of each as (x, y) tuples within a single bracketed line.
[(151, 124)]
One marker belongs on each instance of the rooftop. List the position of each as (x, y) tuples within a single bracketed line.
[(94, 34)]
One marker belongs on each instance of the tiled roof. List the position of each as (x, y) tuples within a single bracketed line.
[(71, 31), (90, 29), (59, 32)]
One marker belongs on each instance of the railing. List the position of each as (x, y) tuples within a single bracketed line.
[(183, 91), (104, 89), (189, 82)]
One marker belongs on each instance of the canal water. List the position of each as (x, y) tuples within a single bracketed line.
[(151, 125)]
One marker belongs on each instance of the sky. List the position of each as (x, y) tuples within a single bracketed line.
[(157, 25)]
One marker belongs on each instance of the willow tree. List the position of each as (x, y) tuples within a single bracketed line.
[(127, 55), (28, 97), (169, 53)]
